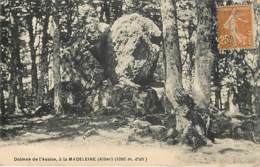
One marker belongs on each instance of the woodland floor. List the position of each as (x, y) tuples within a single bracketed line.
[(108, 137)]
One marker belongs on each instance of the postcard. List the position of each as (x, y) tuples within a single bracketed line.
[(130, 83)]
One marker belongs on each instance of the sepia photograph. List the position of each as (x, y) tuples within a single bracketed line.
[(130, 83)]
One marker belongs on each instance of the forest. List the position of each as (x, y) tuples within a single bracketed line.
[(71, 67)]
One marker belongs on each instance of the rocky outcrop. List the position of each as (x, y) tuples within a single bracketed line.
[(135, 39), (126, 98)]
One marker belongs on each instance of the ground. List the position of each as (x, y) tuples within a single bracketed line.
[(52, 140)]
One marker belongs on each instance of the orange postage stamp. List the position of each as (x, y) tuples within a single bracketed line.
[(235, 27)]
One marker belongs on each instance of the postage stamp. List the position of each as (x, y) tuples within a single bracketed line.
[(235, 26)]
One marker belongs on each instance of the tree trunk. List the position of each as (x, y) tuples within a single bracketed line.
[(2, 103), (15, 100), (33, 59), (56, 61), (256, 86), (191, 51), (173, 85), (181, 104), (107, 11), (256, 89), (203, 57), (116, 9), (43, 82), (15, 51), (217, 85)]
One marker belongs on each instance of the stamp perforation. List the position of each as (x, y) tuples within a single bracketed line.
[(234, 5)]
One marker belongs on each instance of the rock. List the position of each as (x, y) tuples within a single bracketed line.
[(125, 98), (138, 139), (85, 60), (94, 38), (142, 132), (101, 124), (82, 67), (194, 137), (80, 60), (152, 104), (43, 110), (160, 74), (138, 124), (114, 120), (89, 133), (135, 51), (172, 141), (172, 133), (170, 121), (73, 99), (158, 132), (154, 119), (159, 89)]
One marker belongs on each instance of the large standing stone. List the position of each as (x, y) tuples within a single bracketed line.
[(135, 40)]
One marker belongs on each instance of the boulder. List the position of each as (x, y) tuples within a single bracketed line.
[(73, 100), (158, 132), (43, 110), (88, 56), (138, 124), (170, 121), (135, 47), (125, 98), (155, 119), (145, 129), (89, 133), (142, 132)]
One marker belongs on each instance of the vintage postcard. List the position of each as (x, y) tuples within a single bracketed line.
[(129, 83)]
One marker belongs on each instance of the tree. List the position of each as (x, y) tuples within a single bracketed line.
[(256, 86), (43, 66), (32, 36), (203, 57), (2, 103), (13, 61), (173, 85), (256, 89), (191, 113), (116, 9), (56, 59)]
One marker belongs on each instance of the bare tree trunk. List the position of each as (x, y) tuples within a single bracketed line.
[(2, 103), (12, 87), (256, 86), (217, 85), (107, 11), (43, 82), (181, 104), (173, 85), (16, 100), (33, 59), (203, 57), (116, 9), (256, 91), (56, 61), (20, 91)]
